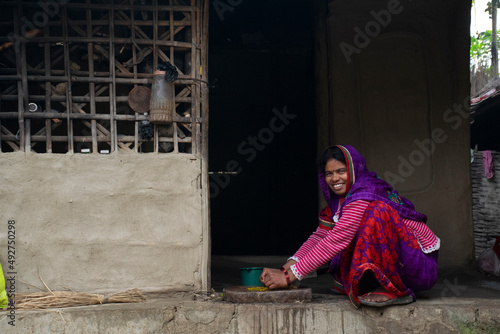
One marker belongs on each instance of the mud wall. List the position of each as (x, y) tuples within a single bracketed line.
[(96, 223)]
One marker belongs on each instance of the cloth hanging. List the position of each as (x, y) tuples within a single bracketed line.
[(489, 170)]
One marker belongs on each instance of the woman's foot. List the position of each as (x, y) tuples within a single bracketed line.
[(373, 296), (379, 297)]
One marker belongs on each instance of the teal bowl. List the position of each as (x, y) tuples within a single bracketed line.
[(250, 276)]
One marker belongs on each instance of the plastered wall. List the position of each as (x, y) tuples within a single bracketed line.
[(102, 223)]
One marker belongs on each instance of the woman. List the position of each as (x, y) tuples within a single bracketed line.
[(380, 250)]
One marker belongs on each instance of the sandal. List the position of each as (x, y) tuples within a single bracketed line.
[(337, 288), (393, 299)]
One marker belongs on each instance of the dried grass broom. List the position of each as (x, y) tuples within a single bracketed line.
[(58, 299)]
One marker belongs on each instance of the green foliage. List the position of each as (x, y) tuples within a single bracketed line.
[(480, 47), (488, 7)]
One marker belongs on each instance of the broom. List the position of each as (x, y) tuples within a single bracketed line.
[(59, 299)]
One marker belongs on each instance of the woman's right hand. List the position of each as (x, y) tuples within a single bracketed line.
[(273, 278)]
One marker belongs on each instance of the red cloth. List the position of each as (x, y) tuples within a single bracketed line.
[(386, 247)]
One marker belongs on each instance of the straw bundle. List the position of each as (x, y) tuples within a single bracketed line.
[(58, 299)]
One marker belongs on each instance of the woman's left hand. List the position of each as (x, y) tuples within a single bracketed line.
[(273, 278)]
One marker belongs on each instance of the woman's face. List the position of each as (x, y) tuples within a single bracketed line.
[(336, 177)]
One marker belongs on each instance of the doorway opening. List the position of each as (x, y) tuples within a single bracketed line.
[(262, 143)]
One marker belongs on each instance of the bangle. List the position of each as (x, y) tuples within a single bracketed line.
[(288, 283)]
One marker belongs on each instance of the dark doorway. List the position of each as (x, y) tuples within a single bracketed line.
[(262, 126)]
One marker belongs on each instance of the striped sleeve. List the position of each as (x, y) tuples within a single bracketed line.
[(325, 223), (427, 240), (306, 247), (335, 240)]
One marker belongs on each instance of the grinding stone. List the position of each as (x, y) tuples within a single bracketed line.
[(241, 294)]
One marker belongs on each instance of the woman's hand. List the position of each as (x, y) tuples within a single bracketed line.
[(275, 278), (288, 264)]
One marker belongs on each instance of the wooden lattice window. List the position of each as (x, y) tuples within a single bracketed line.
[(67, 68)]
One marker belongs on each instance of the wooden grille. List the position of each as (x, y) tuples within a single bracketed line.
[(67, 67)]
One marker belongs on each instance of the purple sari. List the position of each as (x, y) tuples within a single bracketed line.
[(384, 251)]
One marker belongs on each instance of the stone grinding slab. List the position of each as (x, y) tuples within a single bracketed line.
[(248, 294)]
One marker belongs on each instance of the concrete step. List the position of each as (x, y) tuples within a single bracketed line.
[(462, 301), (325, 314)]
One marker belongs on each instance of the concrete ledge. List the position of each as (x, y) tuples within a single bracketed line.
[(325, 314)]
